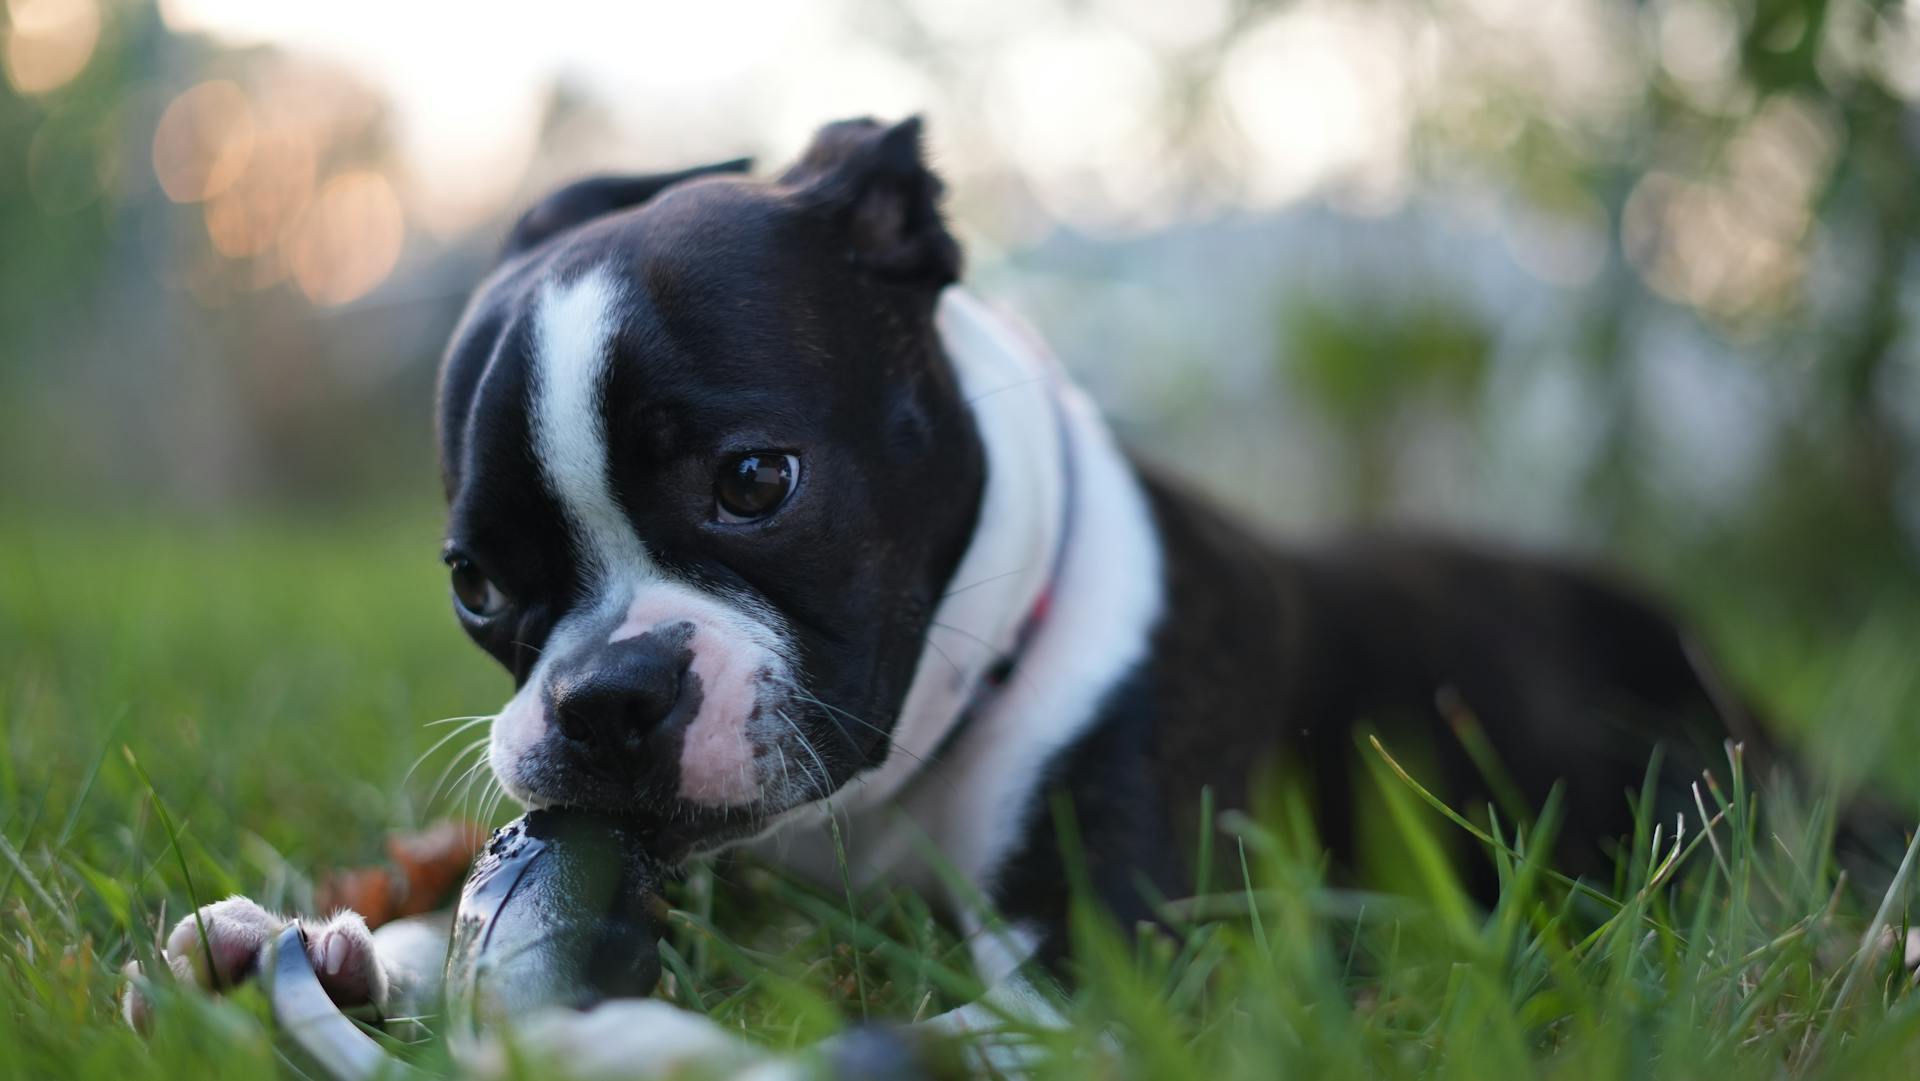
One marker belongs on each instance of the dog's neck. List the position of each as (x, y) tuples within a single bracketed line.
[(1009, 382), (1062, 516)]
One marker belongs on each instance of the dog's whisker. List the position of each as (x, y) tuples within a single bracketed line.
[(944, 655), (985, 394), (838, 712), (496, 792), (845, 736), (807, 746), (449, 770), (468, 724), (484, 784), (455, 720), (462, 788), (477, 780), (835, 713), (800, 693), (472, 777), (977, 583), (930, 766), (452, 768), (967, 634)]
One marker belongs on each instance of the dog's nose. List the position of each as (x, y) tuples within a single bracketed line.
[(615, 698)]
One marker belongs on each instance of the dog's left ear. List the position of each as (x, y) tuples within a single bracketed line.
[(584, 200), (873, 179)]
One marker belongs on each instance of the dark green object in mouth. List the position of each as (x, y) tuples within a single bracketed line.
[(562, 909)]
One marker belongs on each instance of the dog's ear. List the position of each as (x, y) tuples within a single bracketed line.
[(875, 182), (584, 200)]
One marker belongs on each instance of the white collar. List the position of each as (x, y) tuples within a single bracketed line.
[(1009, 382)]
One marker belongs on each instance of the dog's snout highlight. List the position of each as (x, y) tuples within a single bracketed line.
[(615, 698), (673, 696)]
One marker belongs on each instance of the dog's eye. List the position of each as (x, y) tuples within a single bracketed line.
[(754, 485), (479, 596)]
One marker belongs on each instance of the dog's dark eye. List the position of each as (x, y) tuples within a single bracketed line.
[(479, 596), (754, 485)]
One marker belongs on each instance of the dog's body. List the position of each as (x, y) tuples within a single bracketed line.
[(773, 526)]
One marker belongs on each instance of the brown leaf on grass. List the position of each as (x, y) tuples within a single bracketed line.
[(424, 869)]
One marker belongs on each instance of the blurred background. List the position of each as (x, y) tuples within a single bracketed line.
[(1634, 280)]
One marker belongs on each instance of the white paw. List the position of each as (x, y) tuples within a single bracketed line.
[(237, 930), (631, 1039)]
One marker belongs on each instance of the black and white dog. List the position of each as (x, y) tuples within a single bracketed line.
[(772, 523)]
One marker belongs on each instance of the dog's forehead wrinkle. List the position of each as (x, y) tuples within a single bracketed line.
[(481, 368), (497, 388)]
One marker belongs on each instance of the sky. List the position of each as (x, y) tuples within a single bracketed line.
[(1069, 98), (468, 81)]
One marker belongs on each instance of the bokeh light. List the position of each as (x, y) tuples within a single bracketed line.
[(203, 141), (1083, 152), (1569, 194), (249, 216), (1732, 242), (1319, 92), (348, 240), (64, 160), (48, 42)]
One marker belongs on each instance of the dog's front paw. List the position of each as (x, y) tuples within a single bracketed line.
[(237, 930), (631, 1039)]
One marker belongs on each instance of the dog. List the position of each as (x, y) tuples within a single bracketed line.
[(780, 531)]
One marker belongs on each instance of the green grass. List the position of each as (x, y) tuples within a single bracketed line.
[(273, 680)]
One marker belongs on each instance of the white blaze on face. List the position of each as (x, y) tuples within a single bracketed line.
[(572, 341), (738, 652)]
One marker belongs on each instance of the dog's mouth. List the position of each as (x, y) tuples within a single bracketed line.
[(699, 795), (543, 780)]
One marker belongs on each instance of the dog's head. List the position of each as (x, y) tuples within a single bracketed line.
[(709, 474)]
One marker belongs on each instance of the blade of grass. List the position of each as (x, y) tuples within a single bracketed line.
[(92, 774), (1479, 834), (180, 854), (1868, 942), (1253, 907), (27, 876), (853, 915)]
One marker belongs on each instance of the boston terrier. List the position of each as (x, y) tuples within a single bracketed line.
[(783, 535)]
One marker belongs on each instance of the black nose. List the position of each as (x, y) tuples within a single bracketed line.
[(613, 698)]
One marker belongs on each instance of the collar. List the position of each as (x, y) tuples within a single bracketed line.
[(1001, 671), (1002, 590)]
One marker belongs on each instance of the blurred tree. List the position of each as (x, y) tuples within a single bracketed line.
[(64, 164), (1367, 363), (1628, 185)]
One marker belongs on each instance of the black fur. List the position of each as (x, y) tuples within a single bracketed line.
[(871, 178), (798, 315), (794, 316), (1274, 662), (584, 200)]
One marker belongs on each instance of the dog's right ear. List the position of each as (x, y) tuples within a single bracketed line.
[(584, 200), (873, 180)]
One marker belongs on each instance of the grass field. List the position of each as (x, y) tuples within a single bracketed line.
[(273, 681)]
